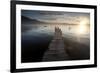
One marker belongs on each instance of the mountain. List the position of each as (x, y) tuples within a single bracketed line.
[(26, 20)]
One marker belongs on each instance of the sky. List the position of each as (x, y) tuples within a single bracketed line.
[(57, 17)]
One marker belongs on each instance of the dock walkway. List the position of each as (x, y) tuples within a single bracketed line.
[(56, 51)]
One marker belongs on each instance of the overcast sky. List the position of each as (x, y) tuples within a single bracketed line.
[(59, 17)]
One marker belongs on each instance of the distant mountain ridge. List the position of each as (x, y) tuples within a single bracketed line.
[(26, 20)]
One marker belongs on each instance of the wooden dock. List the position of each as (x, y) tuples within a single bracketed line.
[(56, 51)]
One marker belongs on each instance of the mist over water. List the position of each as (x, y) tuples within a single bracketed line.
[(36, 39), (69, 31)]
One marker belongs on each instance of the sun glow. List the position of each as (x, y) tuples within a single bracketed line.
[(82, 27)]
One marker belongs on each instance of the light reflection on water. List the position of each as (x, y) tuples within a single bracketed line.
[(72, 30)]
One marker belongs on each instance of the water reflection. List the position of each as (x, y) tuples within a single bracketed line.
[(72, 30), (36, 39)]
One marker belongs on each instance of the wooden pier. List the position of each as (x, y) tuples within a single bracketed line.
[(56, 51)]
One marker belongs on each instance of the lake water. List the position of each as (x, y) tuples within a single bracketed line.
[(37, 37), (69, 31)]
